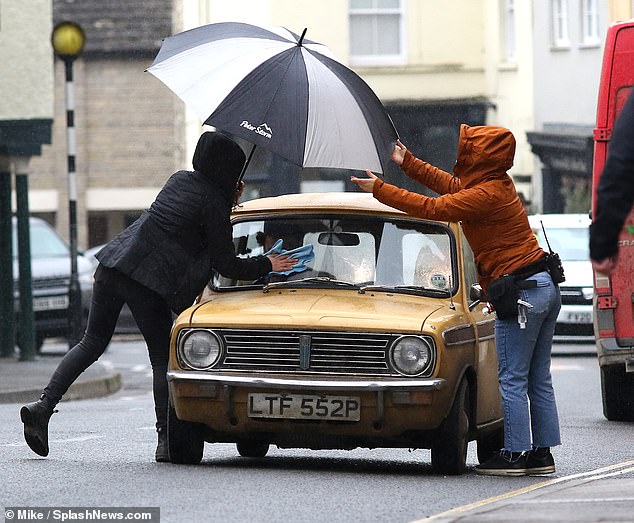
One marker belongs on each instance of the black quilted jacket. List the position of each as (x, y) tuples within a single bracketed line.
[(174, 246)]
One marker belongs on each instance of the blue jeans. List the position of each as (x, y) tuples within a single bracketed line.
[(524, 369)]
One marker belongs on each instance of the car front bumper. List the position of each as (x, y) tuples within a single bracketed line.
[(390, 409), (574, 323), (205, 378)]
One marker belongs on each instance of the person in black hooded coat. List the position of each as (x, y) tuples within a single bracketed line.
[(158, 265)]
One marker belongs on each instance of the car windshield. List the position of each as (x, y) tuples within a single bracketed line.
[(388, 253), (45, 243), (571, 243)]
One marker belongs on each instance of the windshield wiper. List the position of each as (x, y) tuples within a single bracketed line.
[(406, 289), (308, 282)]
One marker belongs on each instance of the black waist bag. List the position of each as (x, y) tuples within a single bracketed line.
[(503, 293)]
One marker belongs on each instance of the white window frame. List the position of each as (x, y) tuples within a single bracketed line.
[(590, 23), (560, 25), (510, 37), (381, 59)]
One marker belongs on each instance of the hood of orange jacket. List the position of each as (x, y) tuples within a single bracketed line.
[(484, 153), (480, 194)]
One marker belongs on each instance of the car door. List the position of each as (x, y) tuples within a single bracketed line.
[(489, 406)]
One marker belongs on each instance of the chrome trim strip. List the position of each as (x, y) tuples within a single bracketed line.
[(458, 328), (484, 323), (266, 382)]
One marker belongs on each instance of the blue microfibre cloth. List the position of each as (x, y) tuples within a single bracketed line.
[(303, 255)]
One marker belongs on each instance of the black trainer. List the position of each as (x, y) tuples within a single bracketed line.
[(35, 417), (505, 463), (540, 461), (162, 452)]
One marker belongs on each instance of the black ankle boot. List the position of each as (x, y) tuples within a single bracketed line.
[(35, 417), (162, 452)]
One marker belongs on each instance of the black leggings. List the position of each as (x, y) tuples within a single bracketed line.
[(153, 316)]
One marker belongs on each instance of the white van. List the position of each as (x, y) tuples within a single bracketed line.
[(568, 236)]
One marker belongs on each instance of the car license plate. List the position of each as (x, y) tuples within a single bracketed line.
[(579, 317), (302, 406), (50, 303)]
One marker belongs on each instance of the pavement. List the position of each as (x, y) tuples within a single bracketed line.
[(23, 381), (605, 494)]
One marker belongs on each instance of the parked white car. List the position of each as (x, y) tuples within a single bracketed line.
[(568, 236)]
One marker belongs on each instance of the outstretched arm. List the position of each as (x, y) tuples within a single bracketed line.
[(615, 193), (424, 173)]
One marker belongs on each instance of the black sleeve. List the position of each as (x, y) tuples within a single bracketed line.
[(224, 259), (615, 194)]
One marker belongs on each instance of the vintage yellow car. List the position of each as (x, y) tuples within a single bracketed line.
[(381, 340)]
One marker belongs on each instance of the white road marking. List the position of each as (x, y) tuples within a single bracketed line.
[(605, 472), (138, 368)]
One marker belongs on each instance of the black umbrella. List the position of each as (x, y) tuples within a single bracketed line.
[(279, 91)]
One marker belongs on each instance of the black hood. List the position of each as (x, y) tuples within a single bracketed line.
[(220, 158)]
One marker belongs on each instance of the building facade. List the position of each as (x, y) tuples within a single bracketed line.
[(568, 37), (130, 135), (413, 55), (26, 82), (433, 64)]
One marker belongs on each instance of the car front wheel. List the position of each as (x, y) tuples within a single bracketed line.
[(39, 341), (449, 452), (252, 449), (185, 440)]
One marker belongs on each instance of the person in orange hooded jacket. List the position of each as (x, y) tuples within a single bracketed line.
[(482, 196)]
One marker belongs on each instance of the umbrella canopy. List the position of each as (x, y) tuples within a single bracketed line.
[(278, 91)]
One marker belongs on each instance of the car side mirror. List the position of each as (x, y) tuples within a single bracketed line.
[(476, 293)]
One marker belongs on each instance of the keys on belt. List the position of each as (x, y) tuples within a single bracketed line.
[(522, 308)]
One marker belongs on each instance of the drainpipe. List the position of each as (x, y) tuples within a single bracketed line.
[(7, 312)]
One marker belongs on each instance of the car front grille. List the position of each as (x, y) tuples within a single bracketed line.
[(43, 284), (574, 329), (307, 352), (573, 296)]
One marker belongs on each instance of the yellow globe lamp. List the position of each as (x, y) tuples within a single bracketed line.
[(68, 40)]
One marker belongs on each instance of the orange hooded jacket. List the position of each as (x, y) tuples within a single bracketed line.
[(480, 195)]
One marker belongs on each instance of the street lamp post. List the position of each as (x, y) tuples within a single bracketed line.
[(68, 41)]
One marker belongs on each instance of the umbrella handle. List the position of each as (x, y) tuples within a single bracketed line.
[(244, 168), (301, 38)]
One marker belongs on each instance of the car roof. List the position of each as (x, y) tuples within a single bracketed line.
[(311, 202), (580, 220)]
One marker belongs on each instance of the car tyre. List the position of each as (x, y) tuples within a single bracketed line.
[(617, 390), (449, 452), (490, 444), (185, 440), (252, 449), (39, 341)]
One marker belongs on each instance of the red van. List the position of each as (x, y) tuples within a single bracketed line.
[(614, 295)]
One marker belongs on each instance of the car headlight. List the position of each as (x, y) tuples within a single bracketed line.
[(411, 355), (588, 293), (86, 279), (200, 349)]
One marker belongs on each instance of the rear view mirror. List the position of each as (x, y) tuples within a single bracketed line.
[(343, 239)]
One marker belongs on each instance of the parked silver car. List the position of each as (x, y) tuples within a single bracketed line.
[(50, 275), (568, 236), (126, 323)]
